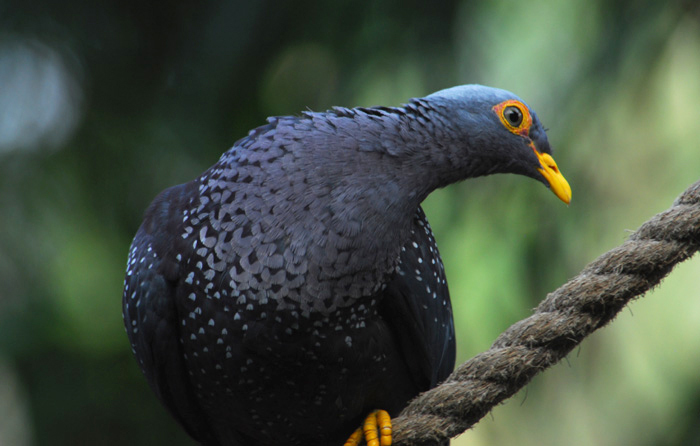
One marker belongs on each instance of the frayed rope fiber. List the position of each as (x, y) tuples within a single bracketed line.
[(569, 314)]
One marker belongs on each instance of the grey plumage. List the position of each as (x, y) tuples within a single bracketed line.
[(296, 285)]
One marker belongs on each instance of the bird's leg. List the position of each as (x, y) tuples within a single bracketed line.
[(355, 438), (376, 430)]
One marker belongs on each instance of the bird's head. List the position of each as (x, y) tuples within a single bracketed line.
[(500, 133)]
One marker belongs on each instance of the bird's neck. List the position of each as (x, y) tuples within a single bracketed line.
[(341, 190), (379, 162), (370, 169)]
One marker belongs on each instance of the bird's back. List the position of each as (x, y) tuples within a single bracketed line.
[(247, 337)]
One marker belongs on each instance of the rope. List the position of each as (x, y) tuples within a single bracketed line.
[(569, 314)]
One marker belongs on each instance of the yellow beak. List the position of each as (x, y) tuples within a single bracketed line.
[(556, 180)]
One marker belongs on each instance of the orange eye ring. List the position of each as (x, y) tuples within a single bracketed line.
[(515, 116)]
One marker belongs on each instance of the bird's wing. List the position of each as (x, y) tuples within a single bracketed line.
[(151, 317), (417, 308)]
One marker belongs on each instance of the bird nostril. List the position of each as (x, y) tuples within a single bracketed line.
[(548, 162)]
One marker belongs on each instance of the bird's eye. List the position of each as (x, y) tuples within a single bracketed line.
[(513, 115)]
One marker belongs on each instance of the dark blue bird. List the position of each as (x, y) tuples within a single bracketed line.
[(295, 286)]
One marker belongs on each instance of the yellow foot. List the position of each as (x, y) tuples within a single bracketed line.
[(376, 430)]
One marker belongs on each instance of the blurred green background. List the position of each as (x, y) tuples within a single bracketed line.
[(103, 104)]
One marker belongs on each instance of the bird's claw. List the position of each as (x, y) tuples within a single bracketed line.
[(376, 430)]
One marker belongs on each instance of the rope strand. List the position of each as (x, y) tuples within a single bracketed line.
[(569, 314)]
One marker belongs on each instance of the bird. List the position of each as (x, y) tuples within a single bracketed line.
[(294, 290)]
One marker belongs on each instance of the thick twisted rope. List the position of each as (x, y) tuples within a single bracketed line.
[(569, 314)]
